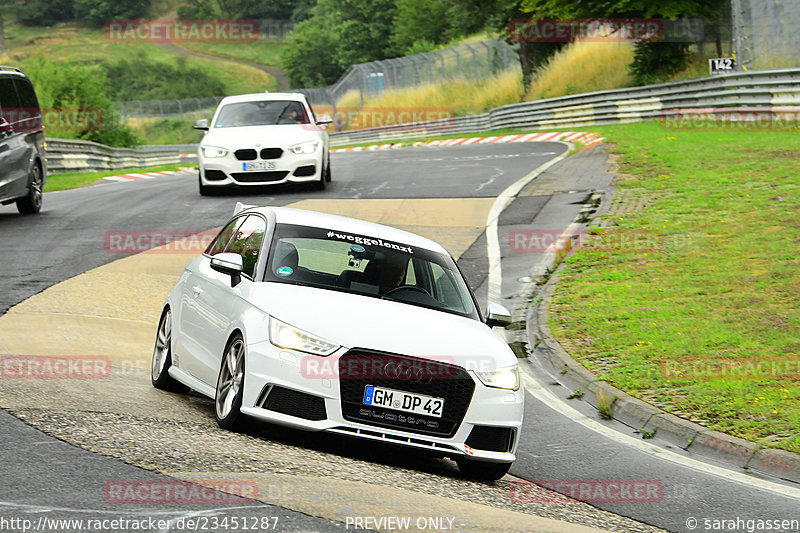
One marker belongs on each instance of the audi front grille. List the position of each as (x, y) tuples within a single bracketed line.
[(359, 368)]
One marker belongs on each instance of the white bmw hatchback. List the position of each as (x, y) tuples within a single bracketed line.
[(327, 323), (263, 139)]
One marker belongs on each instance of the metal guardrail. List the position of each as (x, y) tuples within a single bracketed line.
[(764, 90), (759, 90), (67, 155)]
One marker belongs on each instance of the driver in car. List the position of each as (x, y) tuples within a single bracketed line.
[(393, 272)]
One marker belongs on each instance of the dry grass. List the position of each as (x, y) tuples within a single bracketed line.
[(452, 98), (583, 67)]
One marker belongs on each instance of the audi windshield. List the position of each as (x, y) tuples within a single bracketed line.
[(368, 266)]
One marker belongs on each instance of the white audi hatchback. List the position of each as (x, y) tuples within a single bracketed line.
[(263, 139), (327, 323)]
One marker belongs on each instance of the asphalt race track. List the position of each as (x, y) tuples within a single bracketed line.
[(102, 300)]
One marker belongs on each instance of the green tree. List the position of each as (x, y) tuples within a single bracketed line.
[(238, 9), (63, 88), (653, 61), (43, 12), (98, 12), (419, 21), (141, 78), (363, 29), (309, 54)]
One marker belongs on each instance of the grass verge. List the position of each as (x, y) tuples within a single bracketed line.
[(691, 299), (61, 182)]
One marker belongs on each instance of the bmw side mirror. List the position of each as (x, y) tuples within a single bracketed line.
[(324, 119), (497, 315), (201, 124), (230, 264)]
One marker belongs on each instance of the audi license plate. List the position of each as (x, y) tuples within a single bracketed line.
[(403, 401), (259, 165)]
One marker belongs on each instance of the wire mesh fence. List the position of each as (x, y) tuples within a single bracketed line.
[(168, 108), (471, 61), (765, 33)]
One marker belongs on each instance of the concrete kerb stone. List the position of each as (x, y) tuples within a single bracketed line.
[(640, 415), (778, 463), (718, 445)]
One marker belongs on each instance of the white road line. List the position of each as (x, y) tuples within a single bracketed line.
[(535, 389), (540, 392), (495, 280)]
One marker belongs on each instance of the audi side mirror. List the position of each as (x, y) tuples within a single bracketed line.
[(497, 315), (230, 264)]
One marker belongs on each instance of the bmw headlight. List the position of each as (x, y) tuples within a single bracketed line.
[(504, 378), (213, 151), (283, 335), (304, 148)]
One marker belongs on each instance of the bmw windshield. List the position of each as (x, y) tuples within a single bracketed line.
[(368, 266), (261, 113)]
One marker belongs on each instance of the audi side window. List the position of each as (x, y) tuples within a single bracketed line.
[(221, 242), (246, 241)]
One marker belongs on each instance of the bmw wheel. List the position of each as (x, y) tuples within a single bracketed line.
[(162, 357), (230, 385), (328, 171), (32, 202)]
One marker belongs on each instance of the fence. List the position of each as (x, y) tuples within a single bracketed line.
[(766, 90), (67, 155), (164, 108), (765, 33), (472, 61)]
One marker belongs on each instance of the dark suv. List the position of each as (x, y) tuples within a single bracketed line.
[(22, 163)]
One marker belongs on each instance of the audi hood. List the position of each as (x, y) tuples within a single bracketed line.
[(351, 320)]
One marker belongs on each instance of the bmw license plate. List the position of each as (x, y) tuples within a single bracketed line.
[(403, 401), (259, 165)]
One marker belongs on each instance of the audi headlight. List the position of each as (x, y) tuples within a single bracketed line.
[(504, 378), (304, 148), (283, 335), (213, 151)]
